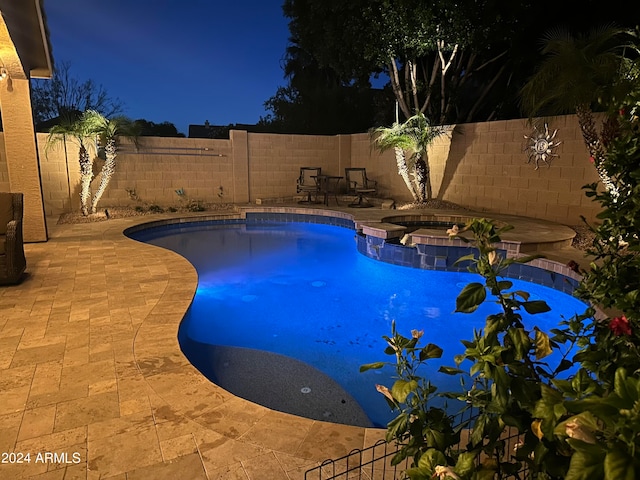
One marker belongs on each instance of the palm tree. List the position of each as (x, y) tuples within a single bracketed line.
[(80, 128), (109, 133), (413, 136), (581, 73)]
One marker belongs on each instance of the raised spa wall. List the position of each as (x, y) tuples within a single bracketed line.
[(422, 242)]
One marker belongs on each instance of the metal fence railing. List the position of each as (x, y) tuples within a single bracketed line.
[(374, 462)]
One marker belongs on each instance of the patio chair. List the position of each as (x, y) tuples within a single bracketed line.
[(12, 261), (308, 182), (358, 184)]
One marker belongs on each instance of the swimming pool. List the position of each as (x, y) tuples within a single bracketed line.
[(302, 291)]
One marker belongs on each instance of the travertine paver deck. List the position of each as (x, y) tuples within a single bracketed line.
[(91, 370)]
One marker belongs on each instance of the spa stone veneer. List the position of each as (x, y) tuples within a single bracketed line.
[(431, 248)]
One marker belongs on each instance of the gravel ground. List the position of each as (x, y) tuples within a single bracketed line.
[(125, 212), (433, 203), (584, 237)]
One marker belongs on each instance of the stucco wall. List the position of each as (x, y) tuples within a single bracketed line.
[(4, 173), (482, 166)]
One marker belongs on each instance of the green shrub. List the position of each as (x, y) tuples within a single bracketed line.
[(586, 427), (196, 206), (156, 209)]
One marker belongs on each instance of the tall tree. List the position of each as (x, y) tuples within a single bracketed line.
[(453, 60), (434, 52), (110, 132), (147, 128), (82, 131), (54, 100), (413, 136), (581, 73), (318, 100)]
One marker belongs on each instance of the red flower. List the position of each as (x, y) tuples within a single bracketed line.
[(622, 112), (620, 326), (592, 160)]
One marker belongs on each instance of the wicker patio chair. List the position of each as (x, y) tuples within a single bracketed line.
[(12, 260)]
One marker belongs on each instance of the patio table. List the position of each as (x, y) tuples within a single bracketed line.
[(328, 185)]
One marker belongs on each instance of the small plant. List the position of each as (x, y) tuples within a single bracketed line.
[(188, 204), (132, 194), (139, 209), (172, 209), (411, 395), (195, 206), (156, 209)]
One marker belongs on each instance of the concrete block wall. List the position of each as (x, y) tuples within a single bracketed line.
[(487, 169), (482, 166), (275, 161), (201, 167)]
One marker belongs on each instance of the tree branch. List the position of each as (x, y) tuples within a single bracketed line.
[(484, 93), (414, 83), (397, 89), (445, 67)]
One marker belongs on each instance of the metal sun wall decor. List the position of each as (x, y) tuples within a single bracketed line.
[(541, 146)]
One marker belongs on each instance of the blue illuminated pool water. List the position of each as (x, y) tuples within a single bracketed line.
[(303, 290)]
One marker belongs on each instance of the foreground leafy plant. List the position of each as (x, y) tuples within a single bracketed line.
[(505, 378), (420, 429), (584, 427)]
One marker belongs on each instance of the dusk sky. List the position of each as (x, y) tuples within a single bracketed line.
[(181, 61)]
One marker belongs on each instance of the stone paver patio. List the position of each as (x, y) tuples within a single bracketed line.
[(91, 370)]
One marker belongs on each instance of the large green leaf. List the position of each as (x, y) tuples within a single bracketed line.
[(372, 366), (430, 351), (471, 297), (546, 410), (536, 306), (451, 370), (431, 459), (402, 388), (586, 464), (520, 340), (543, 348), (626, 388), (396, 427), (466, 462), (618, 465), (465, 258)]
